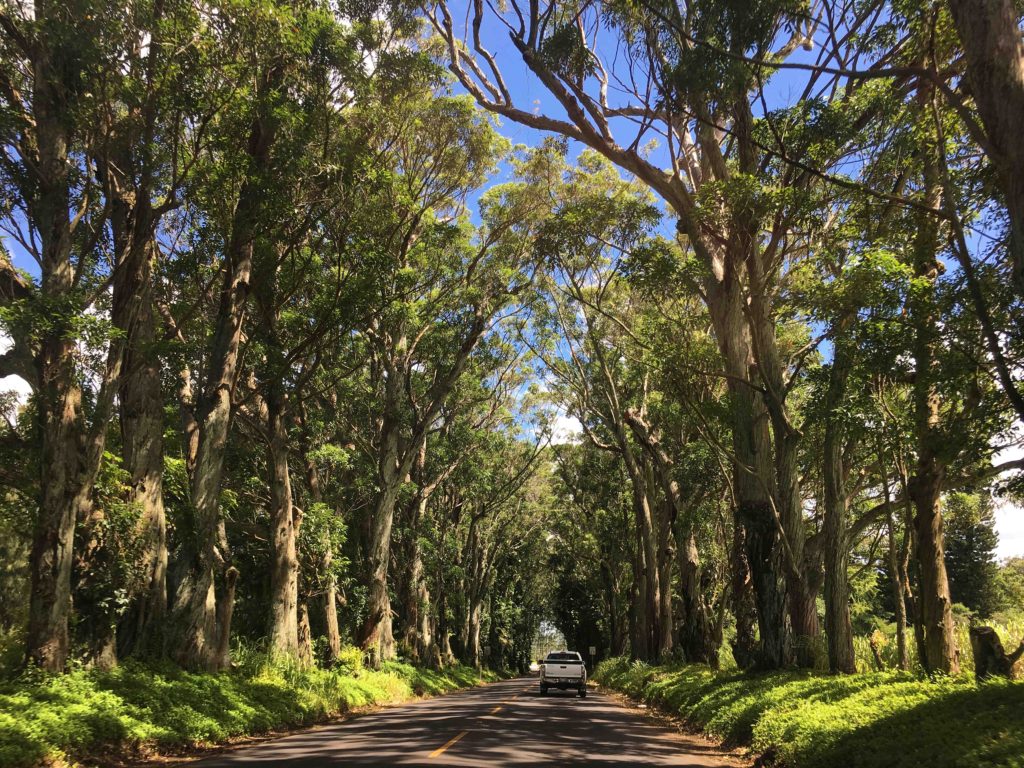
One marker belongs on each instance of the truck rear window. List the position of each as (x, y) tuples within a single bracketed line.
[(563, 658)]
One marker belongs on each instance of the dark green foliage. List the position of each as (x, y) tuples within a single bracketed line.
[(1010, 585), (971, 542)]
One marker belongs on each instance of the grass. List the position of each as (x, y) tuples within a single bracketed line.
[(140, 709), (811, 720)]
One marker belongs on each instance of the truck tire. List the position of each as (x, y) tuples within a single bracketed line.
[(543, 690), (583, 691)]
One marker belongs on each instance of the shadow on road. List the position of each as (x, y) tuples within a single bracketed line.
[(508, 723)]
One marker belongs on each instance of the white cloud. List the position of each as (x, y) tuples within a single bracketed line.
[(16, 384), (566, 429), (1010, 516), (13, 383), (1010, 526)]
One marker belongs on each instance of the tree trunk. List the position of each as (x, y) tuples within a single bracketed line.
[(443, 627), (801, 595), (444, 634), (392, 468), (64, 497), (802, 601), (331, 589), (744, 646), (664, 553), (225, 611), (331, 616), (753, 470), (142, 422), (837, 587), (698, 642), (990, 34), (639, 645), (767, 486), (284, 527), (425, 637), (647, 546), (615, 635), (304, 635), (376, 636), (989, 656), (416, 635), (127, 169), (697, 635), (474, 623), (666, 563), (801, 585), (897, 581), (935, 605), (414, 595), (195, 608), (899, 600)]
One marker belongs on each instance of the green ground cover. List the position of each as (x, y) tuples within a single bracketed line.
[(811, 720), (138, 709)]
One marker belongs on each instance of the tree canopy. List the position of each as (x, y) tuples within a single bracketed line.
[(304, 296)]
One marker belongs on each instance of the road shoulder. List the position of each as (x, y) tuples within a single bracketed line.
[(694, 740)]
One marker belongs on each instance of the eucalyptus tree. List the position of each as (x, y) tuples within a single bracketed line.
[(596, 218), (521, 590), (93, 159), (447, 285), (594, 552), (284, 66), (55, 59), (499, 506), (154, 120), (482, 403), (692, 78), (296, 321)]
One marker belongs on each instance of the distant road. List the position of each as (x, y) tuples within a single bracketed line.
[(506, 723)]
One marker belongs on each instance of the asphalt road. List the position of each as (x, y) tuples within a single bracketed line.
[(506, 723)]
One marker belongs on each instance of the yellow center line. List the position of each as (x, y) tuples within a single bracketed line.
[(440, 750), (496, 710)]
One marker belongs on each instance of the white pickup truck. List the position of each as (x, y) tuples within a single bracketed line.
[(563, 670)]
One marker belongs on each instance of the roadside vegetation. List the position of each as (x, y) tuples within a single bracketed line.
[(803, 719), (138, 709), (721, 360)]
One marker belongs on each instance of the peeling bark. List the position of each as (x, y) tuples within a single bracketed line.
[(284, 529)]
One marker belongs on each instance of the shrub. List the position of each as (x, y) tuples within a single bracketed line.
[(139, 708), (868, 720)]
